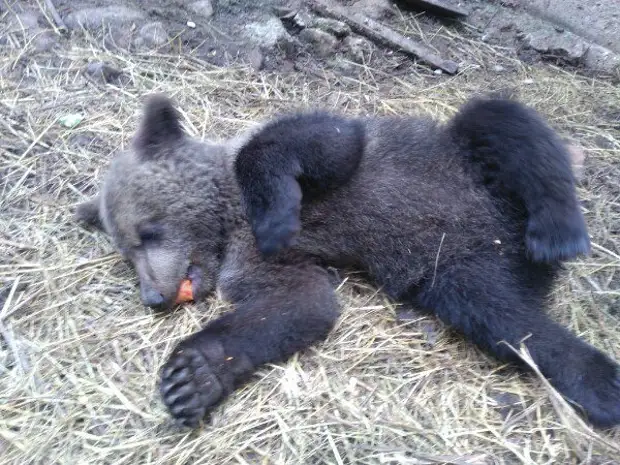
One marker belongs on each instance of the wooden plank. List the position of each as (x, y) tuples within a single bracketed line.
[(383, 34), (438, 7)]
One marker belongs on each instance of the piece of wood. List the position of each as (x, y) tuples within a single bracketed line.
[(438, 7), (60, 24), (380, 33)]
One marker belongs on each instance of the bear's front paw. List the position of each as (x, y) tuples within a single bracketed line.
[(277, 226), (276, 231), (189, 387), (199, 374), (557, 236)]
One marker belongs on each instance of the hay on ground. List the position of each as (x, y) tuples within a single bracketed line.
[(79, 354)]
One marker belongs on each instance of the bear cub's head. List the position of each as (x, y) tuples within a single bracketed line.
[(168, 203)]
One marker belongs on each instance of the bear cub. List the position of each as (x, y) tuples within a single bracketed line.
[(470, 220)]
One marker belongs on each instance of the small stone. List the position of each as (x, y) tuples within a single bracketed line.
[(256, 59), (288, 66), (498, 68), (119, 38), (203, 8), (284, 12), (303, 19), (604, 142), (25, 20), (566, 46), (431, 333), (266, 33), (438, 72), (153, 35), (332, 26), (191, 24), (83, 140), (343, 67), (27, 23), (375, 9), (102, 72), (94, 18), (289, 46), (357, 47), (507, 403), (45, 41), (602, 59), (323, 44), (528, 81)]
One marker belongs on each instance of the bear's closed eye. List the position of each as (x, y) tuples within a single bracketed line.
[(150, 232)]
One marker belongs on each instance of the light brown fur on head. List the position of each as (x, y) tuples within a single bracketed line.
[(166, 202)]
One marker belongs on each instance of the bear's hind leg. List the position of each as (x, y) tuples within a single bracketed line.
[(518, 155), (482, 299)]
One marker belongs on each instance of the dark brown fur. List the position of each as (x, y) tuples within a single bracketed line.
[(470, 220)]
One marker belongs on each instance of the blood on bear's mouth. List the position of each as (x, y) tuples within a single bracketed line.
[(190, 285)]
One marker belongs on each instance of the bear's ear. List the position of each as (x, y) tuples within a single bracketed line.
[(88, 213), (160, 126)]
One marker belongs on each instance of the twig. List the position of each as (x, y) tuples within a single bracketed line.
[(607, 251), (57, 19), (437, 7), (437, 259), (380, 33), (7, 334), (576, 427)]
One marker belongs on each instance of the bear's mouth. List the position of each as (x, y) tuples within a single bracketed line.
[(194, 274)]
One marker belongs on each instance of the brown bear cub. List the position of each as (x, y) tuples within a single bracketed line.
[(470, 220)]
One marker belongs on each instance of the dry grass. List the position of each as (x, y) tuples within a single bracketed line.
[(79, 353)]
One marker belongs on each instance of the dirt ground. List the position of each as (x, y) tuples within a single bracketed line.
[(79, 354)]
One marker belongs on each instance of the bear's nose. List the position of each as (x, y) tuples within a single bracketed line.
[(151, 298)]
